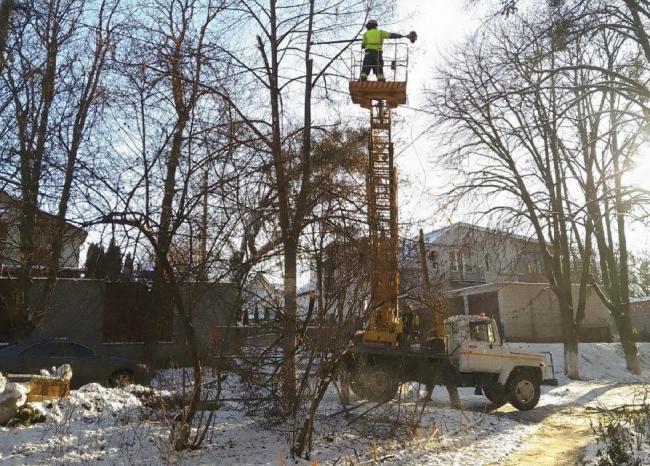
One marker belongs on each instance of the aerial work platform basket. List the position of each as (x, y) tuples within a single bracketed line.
[(392, 91)]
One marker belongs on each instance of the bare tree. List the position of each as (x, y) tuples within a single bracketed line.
[(51, 88), (178, 149), (284, 44), (640, 274), (504, 127), (81, 110), (588, 95), (608, 201)]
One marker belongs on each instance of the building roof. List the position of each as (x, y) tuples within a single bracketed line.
[(7, 198), (640, 304), (436, 235), (410, 245), (639, 299)]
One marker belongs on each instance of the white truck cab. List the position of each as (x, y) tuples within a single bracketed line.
[(475, 348)]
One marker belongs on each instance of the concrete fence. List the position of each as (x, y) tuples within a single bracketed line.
[(109, 317)]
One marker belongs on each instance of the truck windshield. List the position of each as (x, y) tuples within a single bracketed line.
[(481, 331)]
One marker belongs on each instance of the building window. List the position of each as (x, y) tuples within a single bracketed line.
[(530, 263), (433, 258), (456, 261)]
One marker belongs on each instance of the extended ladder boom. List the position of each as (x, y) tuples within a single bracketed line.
[(381, 184)]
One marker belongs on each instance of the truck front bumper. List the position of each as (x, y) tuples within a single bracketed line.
[(552, 382)]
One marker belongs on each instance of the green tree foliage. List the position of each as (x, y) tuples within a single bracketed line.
[(94, 256), (127, 268), (113, 261), (105, 264)]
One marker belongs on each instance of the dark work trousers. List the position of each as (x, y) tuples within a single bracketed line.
[(373, 62)]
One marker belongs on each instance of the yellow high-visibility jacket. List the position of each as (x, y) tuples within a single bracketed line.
[(373, 39)]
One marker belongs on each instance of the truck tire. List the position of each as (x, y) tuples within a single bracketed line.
[(359, 386), (374, 384), (496, 394), (382, 386), (523, 389)]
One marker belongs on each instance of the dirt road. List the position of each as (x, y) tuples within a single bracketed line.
[(564, 432), (560, 440)]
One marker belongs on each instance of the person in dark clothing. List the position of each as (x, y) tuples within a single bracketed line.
[(407, 318)]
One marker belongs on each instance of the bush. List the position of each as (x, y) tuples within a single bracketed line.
[(616, 439), (624, 434)]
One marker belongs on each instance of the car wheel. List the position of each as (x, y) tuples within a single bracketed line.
[(524, 390), (121, 379), (496, 394)]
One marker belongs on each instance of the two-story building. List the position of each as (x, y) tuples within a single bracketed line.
[(462, 255), (73, 238), (499, 274)]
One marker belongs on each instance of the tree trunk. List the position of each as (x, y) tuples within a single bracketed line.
[(289, 338), (638, 27), (571, 360), (32, 143), (570, 336), (5, 13), (622, 319), (21, 319), (87, 98), (623, 275), (160, 293)]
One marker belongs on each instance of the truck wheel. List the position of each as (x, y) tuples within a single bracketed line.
[(523, 390), (359, 386), (382, 386), (496, 394), (374, 384)]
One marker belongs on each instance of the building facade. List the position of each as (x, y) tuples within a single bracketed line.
[(498, 274), (462, 255), (73, 238)]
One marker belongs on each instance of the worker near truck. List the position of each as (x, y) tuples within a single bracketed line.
[(410, 323)]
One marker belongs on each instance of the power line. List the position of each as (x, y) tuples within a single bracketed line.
[(410, 144)]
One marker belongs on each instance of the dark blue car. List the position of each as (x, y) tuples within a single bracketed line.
[(30, 357)]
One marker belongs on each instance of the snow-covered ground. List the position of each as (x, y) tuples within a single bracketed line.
[(95, 425)]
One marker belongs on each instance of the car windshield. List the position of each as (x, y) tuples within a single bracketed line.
[(57, 349), (44, 349), (79, 351)]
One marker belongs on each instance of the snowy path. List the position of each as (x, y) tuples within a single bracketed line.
[(564, 430), (559, 440)]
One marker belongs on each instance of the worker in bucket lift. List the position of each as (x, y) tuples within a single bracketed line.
[(373, 44)]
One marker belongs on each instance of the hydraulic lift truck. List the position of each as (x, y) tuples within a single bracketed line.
[(466, 351)]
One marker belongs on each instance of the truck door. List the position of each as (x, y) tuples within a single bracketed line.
[(482, 351)]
